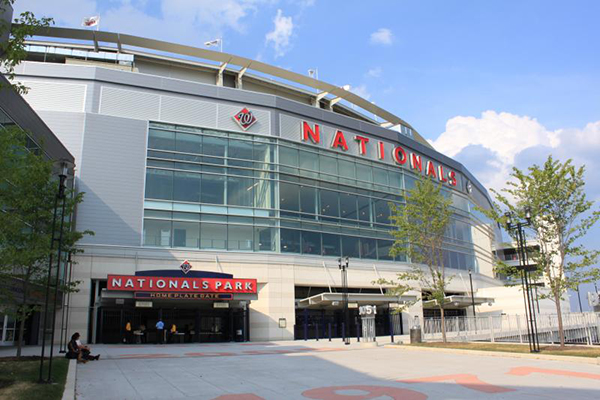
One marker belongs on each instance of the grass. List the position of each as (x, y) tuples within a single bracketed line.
[(19, 380), (578, 351)]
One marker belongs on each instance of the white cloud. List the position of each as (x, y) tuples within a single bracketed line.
[(491, 145), (281, 33), (178, 20), (374, 72), (382, 36), (361, 91)]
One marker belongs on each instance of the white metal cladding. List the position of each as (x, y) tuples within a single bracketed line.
[(112, 177), (188, 111), (225, 120), (55, 96), (134, 104), (68, 127)]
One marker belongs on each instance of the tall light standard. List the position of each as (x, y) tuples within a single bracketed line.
[(534, 345), (343, 264), (60, 196), (472, 294)]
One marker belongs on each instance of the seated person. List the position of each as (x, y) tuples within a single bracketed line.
[(79, 351)]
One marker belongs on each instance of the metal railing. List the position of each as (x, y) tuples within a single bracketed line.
[(579, 328)]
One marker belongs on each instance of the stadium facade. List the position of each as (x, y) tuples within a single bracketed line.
[(223, 191)]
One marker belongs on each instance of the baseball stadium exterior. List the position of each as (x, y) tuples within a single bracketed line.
[(223, 192)]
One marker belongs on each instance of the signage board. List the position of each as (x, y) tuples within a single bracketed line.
[(143, 304), (183, 296), (220, 304), (133, 283)]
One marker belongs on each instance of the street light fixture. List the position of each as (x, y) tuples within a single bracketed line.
[(60, 196), (343, 265), (517, 227)]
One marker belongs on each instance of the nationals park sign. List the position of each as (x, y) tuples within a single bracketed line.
[(136, 283)]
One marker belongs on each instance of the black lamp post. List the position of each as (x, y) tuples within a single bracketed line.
[(532, 335), (472, 295), (65, 304), (343, 264), (60, 196)]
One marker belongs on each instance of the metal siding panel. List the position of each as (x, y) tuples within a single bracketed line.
[(112, 176), (68, 128), (134, 104), (184, 111), (55, 96)]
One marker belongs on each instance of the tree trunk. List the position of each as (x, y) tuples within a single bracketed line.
[(443, 320), (561, 331), (22, 315)]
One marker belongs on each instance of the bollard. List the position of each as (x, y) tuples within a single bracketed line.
[(391, 326), (306, 324), (344, 331), (317, 331), (329, 326), (358, 332)]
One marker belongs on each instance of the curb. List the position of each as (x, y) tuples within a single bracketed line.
[(69, 393), (574, 359)]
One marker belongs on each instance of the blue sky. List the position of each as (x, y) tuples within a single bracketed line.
[(491, 83)]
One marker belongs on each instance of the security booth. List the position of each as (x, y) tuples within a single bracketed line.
[(322, 315), (197, 306)]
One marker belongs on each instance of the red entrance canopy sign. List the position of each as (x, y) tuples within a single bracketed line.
[(133, 283)]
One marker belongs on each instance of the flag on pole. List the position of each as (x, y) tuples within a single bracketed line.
[(212, 42), (91, 21)]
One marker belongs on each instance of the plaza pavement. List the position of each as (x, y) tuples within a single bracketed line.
[(324, 370)]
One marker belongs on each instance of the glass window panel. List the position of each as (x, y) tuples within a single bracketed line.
[(264, 193), (289, 196), (240, 237), (186, 186), (240, 149), (328, 164), (214, 146), (363, 173), (188, 143), (311, 242), (409, 182), (346, 168), (239, 171), (330, 203), (350, 247), (157, 233), (186, 234), (213, 236), (240, 191), (159, 184), (383, 249), (162, 140), (364, 208), (288, 156), (395, 180), (186, 215), (265, 239), (308, 197), (380, 176), (159, 164), (348, 206), (382, 211), (263, 152), (331, 245), (290, 241), (213, 189), (368, 248), (309, 160), (157, 214)]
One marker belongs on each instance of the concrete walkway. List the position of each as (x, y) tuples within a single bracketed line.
[(324, 370)]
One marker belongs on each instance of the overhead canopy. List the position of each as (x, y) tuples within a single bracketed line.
[(335, 300), (454, 302)]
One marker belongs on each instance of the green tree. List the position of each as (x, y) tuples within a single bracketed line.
[(12, 41), (420, 228), (27, 199), (560, 216)]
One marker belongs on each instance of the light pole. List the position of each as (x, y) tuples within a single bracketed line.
[(534, 345), (60, 196), (343, 264), (472, 294)]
